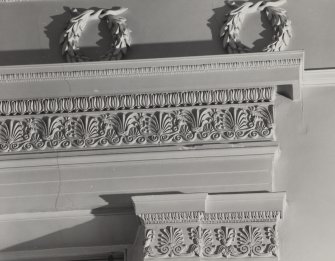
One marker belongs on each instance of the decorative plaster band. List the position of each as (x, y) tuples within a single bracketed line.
[(216, 242), (188, 125), (153, 70), (135, 101), (203, 234)]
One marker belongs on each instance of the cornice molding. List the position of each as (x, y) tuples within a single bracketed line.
[(152, 71), (319, 78), (204, 234), (153, 67), (133, 113)]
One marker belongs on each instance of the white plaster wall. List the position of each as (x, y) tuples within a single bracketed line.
[(305, 170), (31, 30)]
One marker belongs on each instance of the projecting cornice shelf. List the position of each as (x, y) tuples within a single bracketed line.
[(149, 75), (206, 227), (180, 101)]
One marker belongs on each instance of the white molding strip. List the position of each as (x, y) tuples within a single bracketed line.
[(154, 75), (153, 67), (319, 78), (34, 183), (109, 156), (29, 216)]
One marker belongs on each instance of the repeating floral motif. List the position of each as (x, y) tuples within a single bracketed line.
[(202, 241), (250, 241), (245, 241), (226, 237), (135, 101), (271, 234), (149, 237), (201, 125), (171, 242)]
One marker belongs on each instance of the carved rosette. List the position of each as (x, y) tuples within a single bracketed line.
[(210, 237), (186, 117)]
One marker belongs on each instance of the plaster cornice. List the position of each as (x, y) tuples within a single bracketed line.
[(319, 78), (153, 67), (169, 103)]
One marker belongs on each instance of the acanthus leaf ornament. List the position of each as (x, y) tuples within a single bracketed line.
[(281, 25), (117, 26)]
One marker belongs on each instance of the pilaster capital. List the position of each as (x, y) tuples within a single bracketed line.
[(210, 226)]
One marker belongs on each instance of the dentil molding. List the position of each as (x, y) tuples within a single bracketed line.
[(194, 226)]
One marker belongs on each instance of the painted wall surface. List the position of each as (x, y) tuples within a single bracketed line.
[(31, 30), (305, 170)]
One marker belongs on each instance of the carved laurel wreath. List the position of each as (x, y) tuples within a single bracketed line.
[(117, 26), (277, 17)]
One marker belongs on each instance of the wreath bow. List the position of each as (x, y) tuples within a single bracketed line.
[(230, 29), (120, 34)]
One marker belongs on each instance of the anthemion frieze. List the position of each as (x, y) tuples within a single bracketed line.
[(213, 231), (187, 117), (179, 126)]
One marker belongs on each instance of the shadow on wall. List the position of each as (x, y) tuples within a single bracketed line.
[(113, 224), (59, 22)]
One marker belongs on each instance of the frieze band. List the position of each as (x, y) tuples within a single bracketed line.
[(220, 242), (199, 125), (135, 101)]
